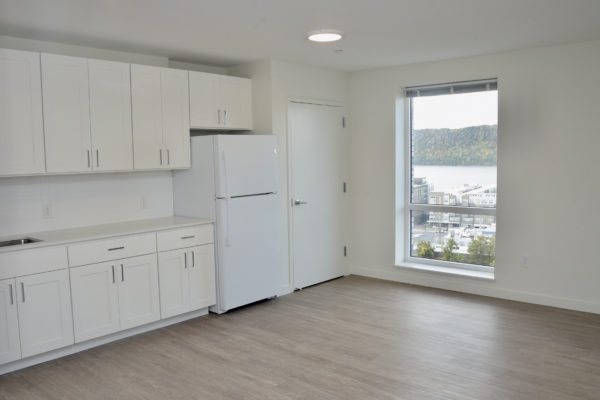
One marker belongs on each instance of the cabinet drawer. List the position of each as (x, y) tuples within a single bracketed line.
[(111, 249), (186, 237), (35, 261)]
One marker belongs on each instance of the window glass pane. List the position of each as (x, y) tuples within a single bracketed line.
[(454, 149), (465, 238)]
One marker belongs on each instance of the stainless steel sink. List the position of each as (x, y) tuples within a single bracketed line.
[(19, 242)]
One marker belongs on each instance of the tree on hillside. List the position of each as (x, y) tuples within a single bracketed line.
[(424, 250)]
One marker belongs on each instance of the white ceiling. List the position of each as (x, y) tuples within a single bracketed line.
[(378, 33)]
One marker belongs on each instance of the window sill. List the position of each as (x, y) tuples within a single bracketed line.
[(467, 273)]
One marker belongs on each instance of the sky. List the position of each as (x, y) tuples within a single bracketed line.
[(455, 110)]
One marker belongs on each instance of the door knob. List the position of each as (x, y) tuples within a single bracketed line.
[(298, 202)]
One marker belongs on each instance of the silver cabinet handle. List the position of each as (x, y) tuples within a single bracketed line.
[(23, 291), (193, 259), (97, 158), (116, 248), (188, 237), (12, 299), (219, 114), (298, 202), (185, 260), (168, 157), (89, 161), (160, 155), (224, 117), (113, 273), (122, 273)]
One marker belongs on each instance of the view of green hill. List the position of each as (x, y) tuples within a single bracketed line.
[(473, 145)]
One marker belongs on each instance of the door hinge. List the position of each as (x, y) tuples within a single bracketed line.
[(344, 188), (345, 251), (343, 122)]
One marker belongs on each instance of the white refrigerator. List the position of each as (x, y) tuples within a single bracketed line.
[(234, 181)]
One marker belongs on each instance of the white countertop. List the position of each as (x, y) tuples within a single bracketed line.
[(64, 236)]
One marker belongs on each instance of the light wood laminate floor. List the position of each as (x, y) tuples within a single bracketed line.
[(352, 338)]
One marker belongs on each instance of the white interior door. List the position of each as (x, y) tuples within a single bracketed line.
[(317, 168)]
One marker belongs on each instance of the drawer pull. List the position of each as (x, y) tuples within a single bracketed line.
[(12, 300), (188, 237), (116, 248)]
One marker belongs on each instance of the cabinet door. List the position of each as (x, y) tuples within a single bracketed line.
[(110, 115), (138, 291), (95, 300), (66, 113), (176, 117), (21, 130), (204, 109), (174, 286), (45, 320), (10, 346), (202, 277), (146, 102), (236, 102)]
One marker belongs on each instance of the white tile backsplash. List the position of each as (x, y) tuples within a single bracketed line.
[(84, 199)]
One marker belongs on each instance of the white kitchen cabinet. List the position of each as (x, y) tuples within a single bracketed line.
[(138, 291), (203, 289), (44, 304), (113, 296), (174, 283), (110, 115), (187, 280), (220, 101), (236, 102), (10, 345), (95, 300), (160, 110), (21, 125), (66, 113)]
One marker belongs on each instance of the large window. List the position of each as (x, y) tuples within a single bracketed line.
[(452, 188)]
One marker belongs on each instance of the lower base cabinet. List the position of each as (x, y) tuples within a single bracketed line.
[(113, 296), (44, 305), (187, 279), (10, 344)]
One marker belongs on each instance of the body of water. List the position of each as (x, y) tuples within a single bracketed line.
[(444, 178)]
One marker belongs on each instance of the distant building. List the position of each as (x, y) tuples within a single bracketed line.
[(420, 191)]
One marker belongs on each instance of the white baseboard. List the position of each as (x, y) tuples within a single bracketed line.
[(473, 286), (77, 347)]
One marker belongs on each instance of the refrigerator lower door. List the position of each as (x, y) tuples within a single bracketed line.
[(248, 258)]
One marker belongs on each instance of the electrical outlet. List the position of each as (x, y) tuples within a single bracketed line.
[(525, 261), (47, 211), (143, 203)]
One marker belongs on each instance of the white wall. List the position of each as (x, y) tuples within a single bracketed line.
[(548, 144), (79, 200)]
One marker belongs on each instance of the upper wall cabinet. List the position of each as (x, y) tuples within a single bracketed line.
[(220, 102), (87, 114), (66, 113), (110, 115), (161, 122), (21, 129)]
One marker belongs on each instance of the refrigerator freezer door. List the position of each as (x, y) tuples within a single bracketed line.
[(245, 165), (249, 258)]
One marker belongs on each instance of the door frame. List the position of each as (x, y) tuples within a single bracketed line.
[(290, 183)]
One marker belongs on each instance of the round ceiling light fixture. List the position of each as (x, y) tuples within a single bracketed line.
[(324, 36)]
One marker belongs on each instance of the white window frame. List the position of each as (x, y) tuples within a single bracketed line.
[(408, 258)]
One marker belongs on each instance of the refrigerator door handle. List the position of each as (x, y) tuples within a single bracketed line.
[(227, 199)]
